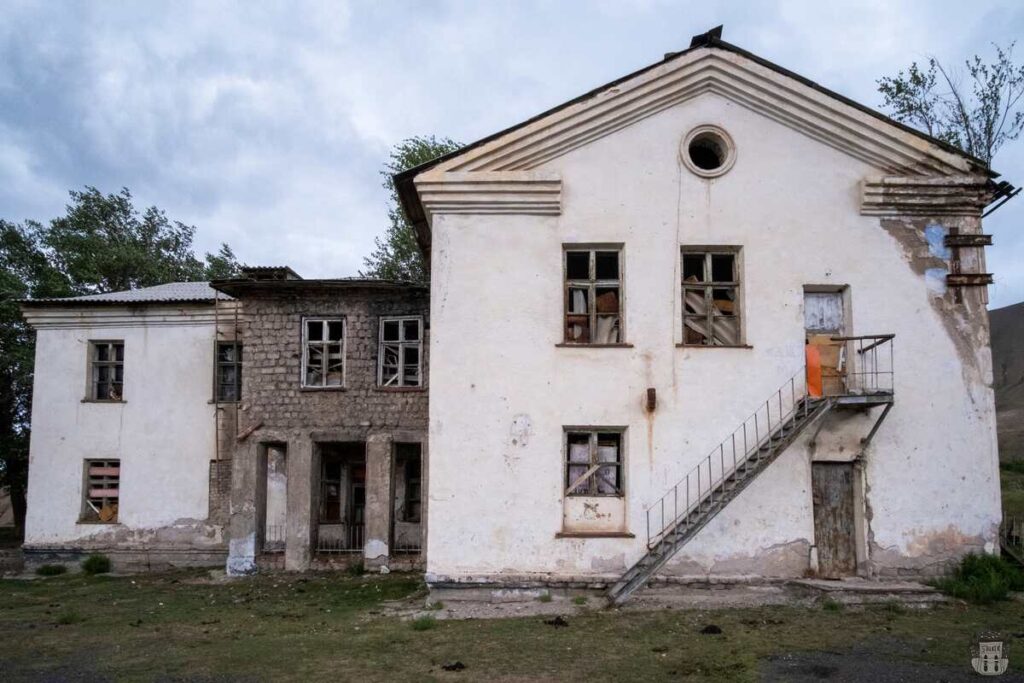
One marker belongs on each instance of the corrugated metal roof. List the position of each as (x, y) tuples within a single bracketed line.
[(180, 292)]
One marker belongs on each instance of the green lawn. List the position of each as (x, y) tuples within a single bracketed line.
[(339, 627)]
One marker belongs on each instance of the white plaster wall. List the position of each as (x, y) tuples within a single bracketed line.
[(164, 432), (792, 203)]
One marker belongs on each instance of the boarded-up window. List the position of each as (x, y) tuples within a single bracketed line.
[(229, 371), (102, 491), (593, 464), (711, 296), (106, 370), (400, 352), (323, 358), (593, 295), (823, 312)]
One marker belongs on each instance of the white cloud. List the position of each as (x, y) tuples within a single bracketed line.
[(266, 124)]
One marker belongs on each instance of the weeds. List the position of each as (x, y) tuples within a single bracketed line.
[(51, 570), (579, 600), (424, 623), (545, 597), (96, 564), (982, 579), (830, 605)]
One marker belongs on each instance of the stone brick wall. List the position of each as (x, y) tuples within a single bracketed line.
[(272, 392)]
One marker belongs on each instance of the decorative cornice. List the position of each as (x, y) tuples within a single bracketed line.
[(537, 194), (924, 196), (751, 85)]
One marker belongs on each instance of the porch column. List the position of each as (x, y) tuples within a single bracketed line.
[(378, 500), (243, 510), (299, 528)]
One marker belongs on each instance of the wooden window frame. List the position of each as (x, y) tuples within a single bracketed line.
[(594, 464), (219, 366), (94, 367), (324, 346), (707, 288), (591, 284), (402, 344), (97, 477)]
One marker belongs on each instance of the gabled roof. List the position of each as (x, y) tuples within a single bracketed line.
[(942, 156), (172, 292)]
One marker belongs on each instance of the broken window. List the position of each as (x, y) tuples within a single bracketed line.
[(323, 358), (593, 296), (711, 301), (229, 371), (102, 488), (409, 475), (106, 371), (593, 463), (400, 352)]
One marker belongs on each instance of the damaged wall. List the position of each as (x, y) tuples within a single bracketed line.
[(793, 205)]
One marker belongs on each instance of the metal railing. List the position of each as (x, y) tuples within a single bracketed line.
[(869, 368), (350, 539), (274, 538), (705, 482)]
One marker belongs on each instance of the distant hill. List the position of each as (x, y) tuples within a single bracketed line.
[(1008, 378)]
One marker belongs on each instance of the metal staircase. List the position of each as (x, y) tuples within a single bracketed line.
[(693, 502)]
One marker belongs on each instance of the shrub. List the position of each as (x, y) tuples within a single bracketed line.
[(96, 564), (545, 597), (51, 570), (424, 623), (982, 579), (1015, 466), (830, 605), (357, 569)]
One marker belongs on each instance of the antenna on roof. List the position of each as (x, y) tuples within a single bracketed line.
[(709, 38)]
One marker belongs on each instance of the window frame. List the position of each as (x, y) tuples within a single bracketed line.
[(92, 394), (88, 509), (708, 286), (402, 344), (304, 365), (592, 284), (218, 365), (593, 431)]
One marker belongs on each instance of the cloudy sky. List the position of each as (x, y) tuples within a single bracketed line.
[(265, 124)]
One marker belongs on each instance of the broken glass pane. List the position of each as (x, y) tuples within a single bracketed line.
[(578, 300), (606, 265), (607, 299), (411, 328), (607, 330), (391, 330), (314, 330), (693, 267), (577, 265), (723, 301), (722, 268), (335, 330)]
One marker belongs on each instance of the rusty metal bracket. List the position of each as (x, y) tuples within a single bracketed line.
[(878, 423)]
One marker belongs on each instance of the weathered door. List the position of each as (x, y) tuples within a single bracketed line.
[(832, 490), (826, 364)]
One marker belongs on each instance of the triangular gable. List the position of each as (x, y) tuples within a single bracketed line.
[(710, 65)]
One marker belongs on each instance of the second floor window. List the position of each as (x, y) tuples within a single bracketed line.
[(323, 354), (106, 370), (229, 372), (593, 295), (400, 356), (711, 296)]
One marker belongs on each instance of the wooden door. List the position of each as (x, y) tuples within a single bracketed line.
[(832, 490)]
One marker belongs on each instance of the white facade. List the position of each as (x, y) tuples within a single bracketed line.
[(163, 432), (608, 170)]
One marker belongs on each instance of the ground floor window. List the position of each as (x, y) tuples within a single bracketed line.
[(593, 462), (102, 491)]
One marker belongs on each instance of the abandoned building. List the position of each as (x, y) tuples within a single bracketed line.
[(278, 421), (329, 465), (708, 320), (735, 326)]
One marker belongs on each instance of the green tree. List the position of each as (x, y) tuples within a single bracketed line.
[(101, 244), (396, 256), (978, 113)]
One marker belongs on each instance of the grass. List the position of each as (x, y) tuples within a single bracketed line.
[(830, 605), (182, 625), (982, 579), (579, 600)]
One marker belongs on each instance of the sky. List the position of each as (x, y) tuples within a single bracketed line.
[(266, 124)]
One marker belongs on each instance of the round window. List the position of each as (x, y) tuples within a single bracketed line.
[(708, 151)]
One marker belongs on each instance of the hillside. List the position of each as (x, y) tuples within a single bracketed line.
[(1008, 378)]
